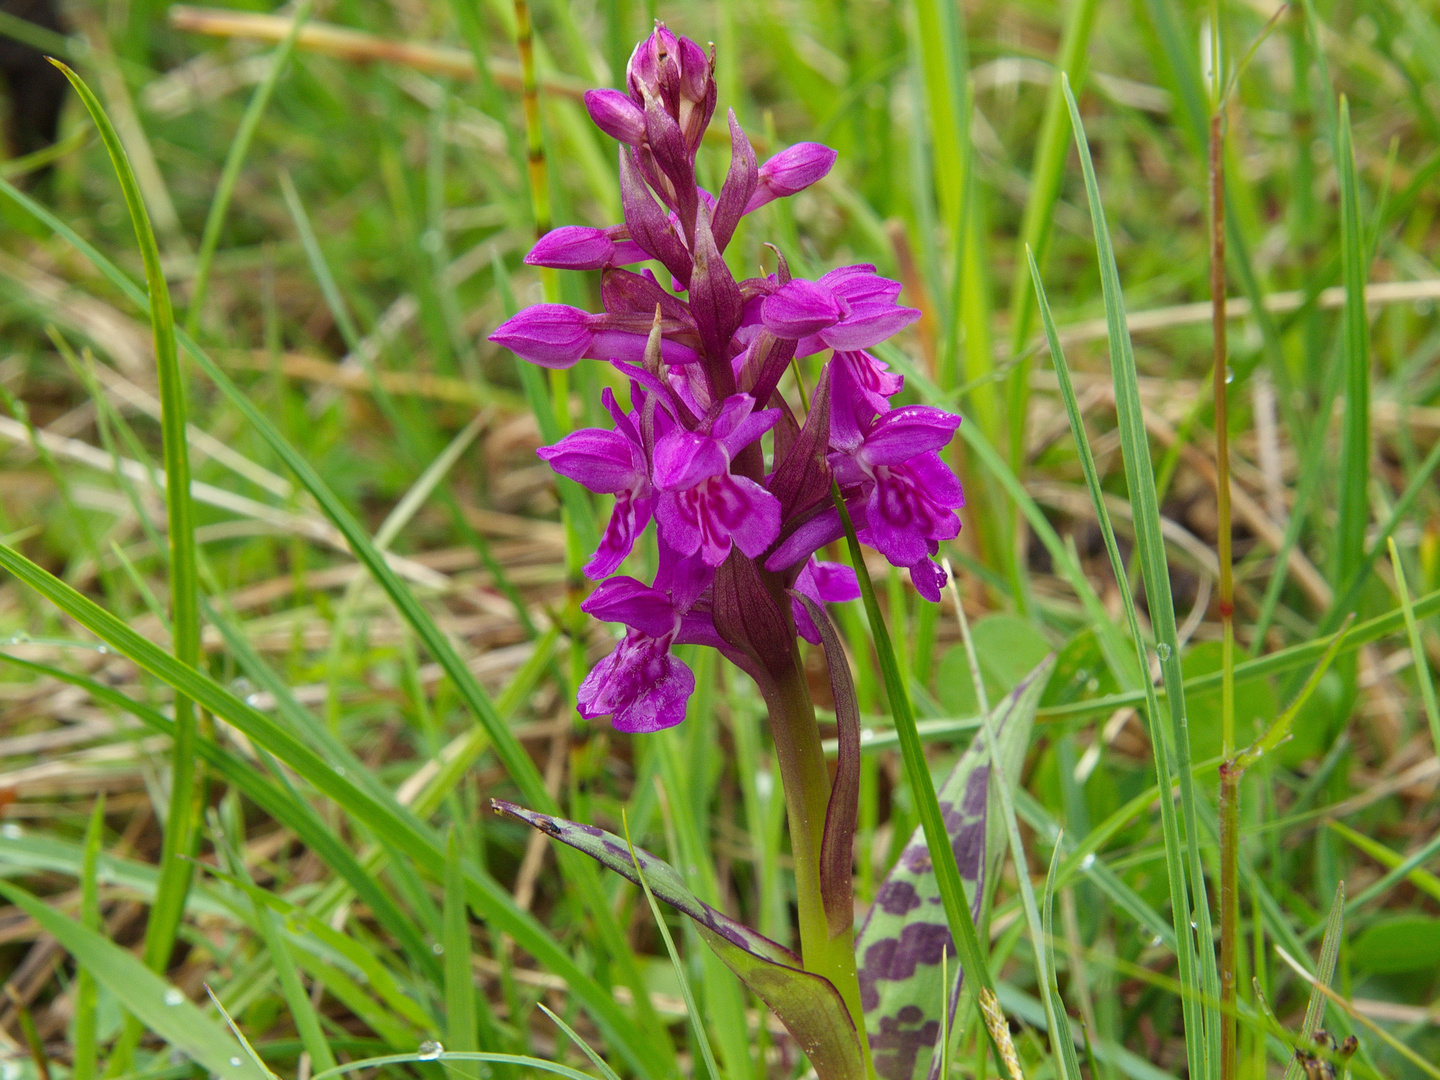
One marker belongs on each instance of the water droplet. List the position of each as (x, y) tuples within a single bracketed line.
[(1156, 941), (235, 1061), (430, 1050), (764, 784), (339, 770), (252, 700), (1093, 684), (867, 734), (1229, 374), (20, 637), (1163, 651), (1194, 925), (1087, 862), (103, 650), (1082, 674), (438, 949), (11, 831), (173, 996)]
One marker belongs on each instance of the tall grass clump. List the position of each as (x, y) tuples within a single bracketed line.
[(903, 543)]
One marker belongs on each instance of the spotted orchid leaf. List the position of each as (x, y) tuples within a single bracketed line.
[(899, 948), (807, 1004)]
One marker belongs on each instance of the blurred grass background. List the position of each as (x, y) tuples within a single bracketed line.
[(373, 237)]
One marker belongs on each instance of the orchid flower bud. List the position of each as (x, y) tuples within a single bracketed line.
[(551, 335), (616, 115), (790, 171), (576, 247)]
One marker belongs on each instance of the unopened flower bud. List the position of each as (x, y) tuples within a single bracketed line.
[(551, 335), (790, 171), (616, 115)]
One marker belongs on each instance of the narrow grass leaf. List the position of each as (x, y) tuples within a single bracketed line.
[(1417, 647), (234, 159), (692, 1010), (595, 1059), (180, 826), (461, 1022), (1352, 498), (1201, 1022), (158, 1005), (1329, 954), (87, 999)]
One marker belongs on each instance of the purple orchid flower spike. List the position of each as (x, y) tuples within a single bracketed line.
[(713, 449), (703, 506)]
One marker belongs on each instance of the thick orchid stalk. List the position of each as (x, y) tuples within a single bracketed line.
[(738, 529)]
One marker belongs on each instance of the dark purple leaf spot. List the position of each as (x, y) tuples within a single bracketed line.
[(976, 790), (897, 1045), (897, 897), (969, 847)]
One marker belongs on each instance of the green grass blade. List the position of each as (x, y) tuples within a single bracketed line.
[(692, 1010), (1353, 502), (1202, 1026), (917, 775), (461, 1021), (84, 1059), (595, 1059), (1045, 175), (297, 999), (158, 1005), (180, 827), (1329, 954), (329, 288), (1417, 647), (447, 1058), (230, 173), (1039, 933)]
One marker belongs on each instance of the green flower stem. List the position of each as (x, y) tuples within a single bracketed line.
[(806, 780)]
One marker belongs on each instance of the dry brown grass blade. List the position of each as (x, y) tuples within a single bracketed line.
[(360, 47)]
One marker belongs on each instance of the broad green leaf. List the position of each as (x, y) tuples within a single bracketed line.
[(1008, 648), (899, 948), (155, 1003), (807, 1004), (1402, 943)]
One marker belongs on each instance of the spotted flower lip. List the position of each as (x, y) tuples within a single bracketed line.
[(737, 486), (704, 507)]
